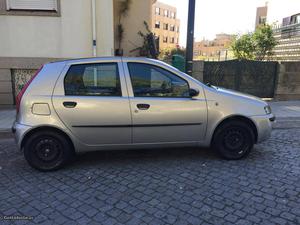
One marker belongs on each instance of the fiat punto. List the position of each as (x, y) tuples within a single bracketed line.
[(82, 105)]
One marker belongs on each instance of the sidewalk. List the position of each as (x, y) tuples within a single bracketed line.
[(7, 117), (287, 115)]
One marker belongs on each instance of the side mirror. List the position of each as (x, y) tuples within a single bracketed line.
[(194, 92)]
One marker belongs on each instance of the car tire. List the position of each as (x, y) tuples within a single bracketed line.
[(47, 150), (233, 140)]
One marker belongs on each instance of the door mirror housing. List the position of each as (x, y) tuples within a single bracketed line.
[(193, 92)]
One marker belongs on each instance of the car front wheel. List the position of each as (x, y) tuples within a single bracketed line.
[(233, 140), (47, 150)]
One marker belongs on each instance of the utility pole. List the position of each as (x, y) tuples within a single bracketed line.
[(190, 38)]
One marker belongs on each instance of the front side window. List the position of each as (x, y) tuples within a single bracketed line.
[(152, 81), (101, 79)]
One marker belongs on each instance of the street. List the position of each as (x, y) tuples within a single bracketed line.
[(172, 186)]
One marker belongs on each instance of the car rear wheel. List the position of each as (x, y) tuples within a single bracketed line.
[(234, 140), (47, 150)]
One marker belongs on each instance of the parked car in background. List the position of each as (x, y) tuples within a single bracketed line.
[(82, 105)]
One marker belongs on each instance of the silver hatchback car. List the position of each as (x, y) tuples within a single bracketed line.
[(82, 105)]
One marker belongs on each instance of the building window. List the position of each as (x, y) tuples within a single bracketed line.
[(166, 26), (157, 11), (166, 13), (157, 24), (172, 40), (177, 40), (172, 28), (262, 20), (177, 29), (173, 15), (165, 39), (47, 5), (295, 19)]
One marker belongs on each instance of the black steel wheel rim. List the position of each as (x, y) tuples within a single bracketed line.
[(47, 149), (235, 141)]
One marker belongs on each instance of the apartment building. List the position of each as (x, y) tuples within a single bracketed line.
[(165, 25), (285, 19), (38, 31), (261, 15), (287, 36), (217, 49)]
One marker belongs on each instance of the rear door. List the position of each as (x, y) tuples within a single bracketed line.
[(162, 109), (91, 99)]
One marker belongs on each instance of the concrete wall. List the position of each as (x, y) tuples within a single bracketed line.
[(65, 36), (288, 81), (140, 11)]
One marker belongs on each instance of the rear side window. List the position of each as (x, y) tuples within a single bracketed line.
[(101, 79)]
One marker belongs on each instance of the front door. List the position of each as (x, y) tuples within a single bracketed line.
[(162, 109), (92, 101)]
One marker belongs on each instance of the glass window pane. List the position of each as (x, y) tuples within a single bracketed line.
[(152, 81), (93, 80)]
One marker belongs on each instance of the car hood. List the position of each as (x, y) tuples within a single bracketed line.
[(239, 94)]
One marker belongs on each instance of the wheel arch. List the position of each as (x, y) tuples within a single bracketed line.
[(245, 119), (47, 128)]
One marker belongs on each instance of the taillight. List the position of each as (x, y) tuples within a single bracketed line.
[(21, 93)]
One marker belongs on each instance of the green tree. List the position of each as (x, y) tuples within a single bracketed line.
[(167, 53), (264, 41), (257, 45), (243, 47)]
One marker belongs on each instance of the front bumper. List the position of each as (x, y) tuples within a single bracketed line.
[(19, 131), (264, 124)]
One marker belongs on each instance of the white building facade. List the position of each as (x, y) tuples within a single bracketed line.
[(38, 31)]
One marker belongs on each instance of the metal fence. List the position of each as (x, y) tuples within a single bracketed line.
[(253, 77)]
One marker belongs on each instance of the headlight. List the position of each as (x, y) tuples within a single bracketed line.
[(268, 109)]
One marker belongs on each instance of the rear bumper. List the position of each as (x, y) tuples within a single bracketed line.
[(264, 126), (19, 131)]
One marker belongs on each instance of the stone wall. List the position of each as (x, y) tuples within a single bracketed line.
[(288, 81), (14, 72), (198, 68)]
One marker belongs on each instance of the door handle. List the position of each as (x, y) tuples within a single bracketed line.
[(70, 104), (143, 106)]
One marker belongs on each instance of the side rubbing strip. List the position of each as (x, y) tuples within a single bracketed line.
[(138, 125)]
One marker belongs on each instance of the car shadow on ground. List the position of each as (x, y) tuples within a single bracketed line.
[(166, 156), (143, 155)]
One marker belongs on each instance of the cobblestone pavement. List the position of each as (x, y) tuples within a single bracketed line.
[(178, 186)]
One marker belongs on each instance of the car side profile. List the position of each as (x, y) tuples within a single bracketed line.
[(115, 103)]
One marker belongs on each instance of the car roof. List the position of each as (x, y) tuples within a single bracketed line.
[(111, 58)]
